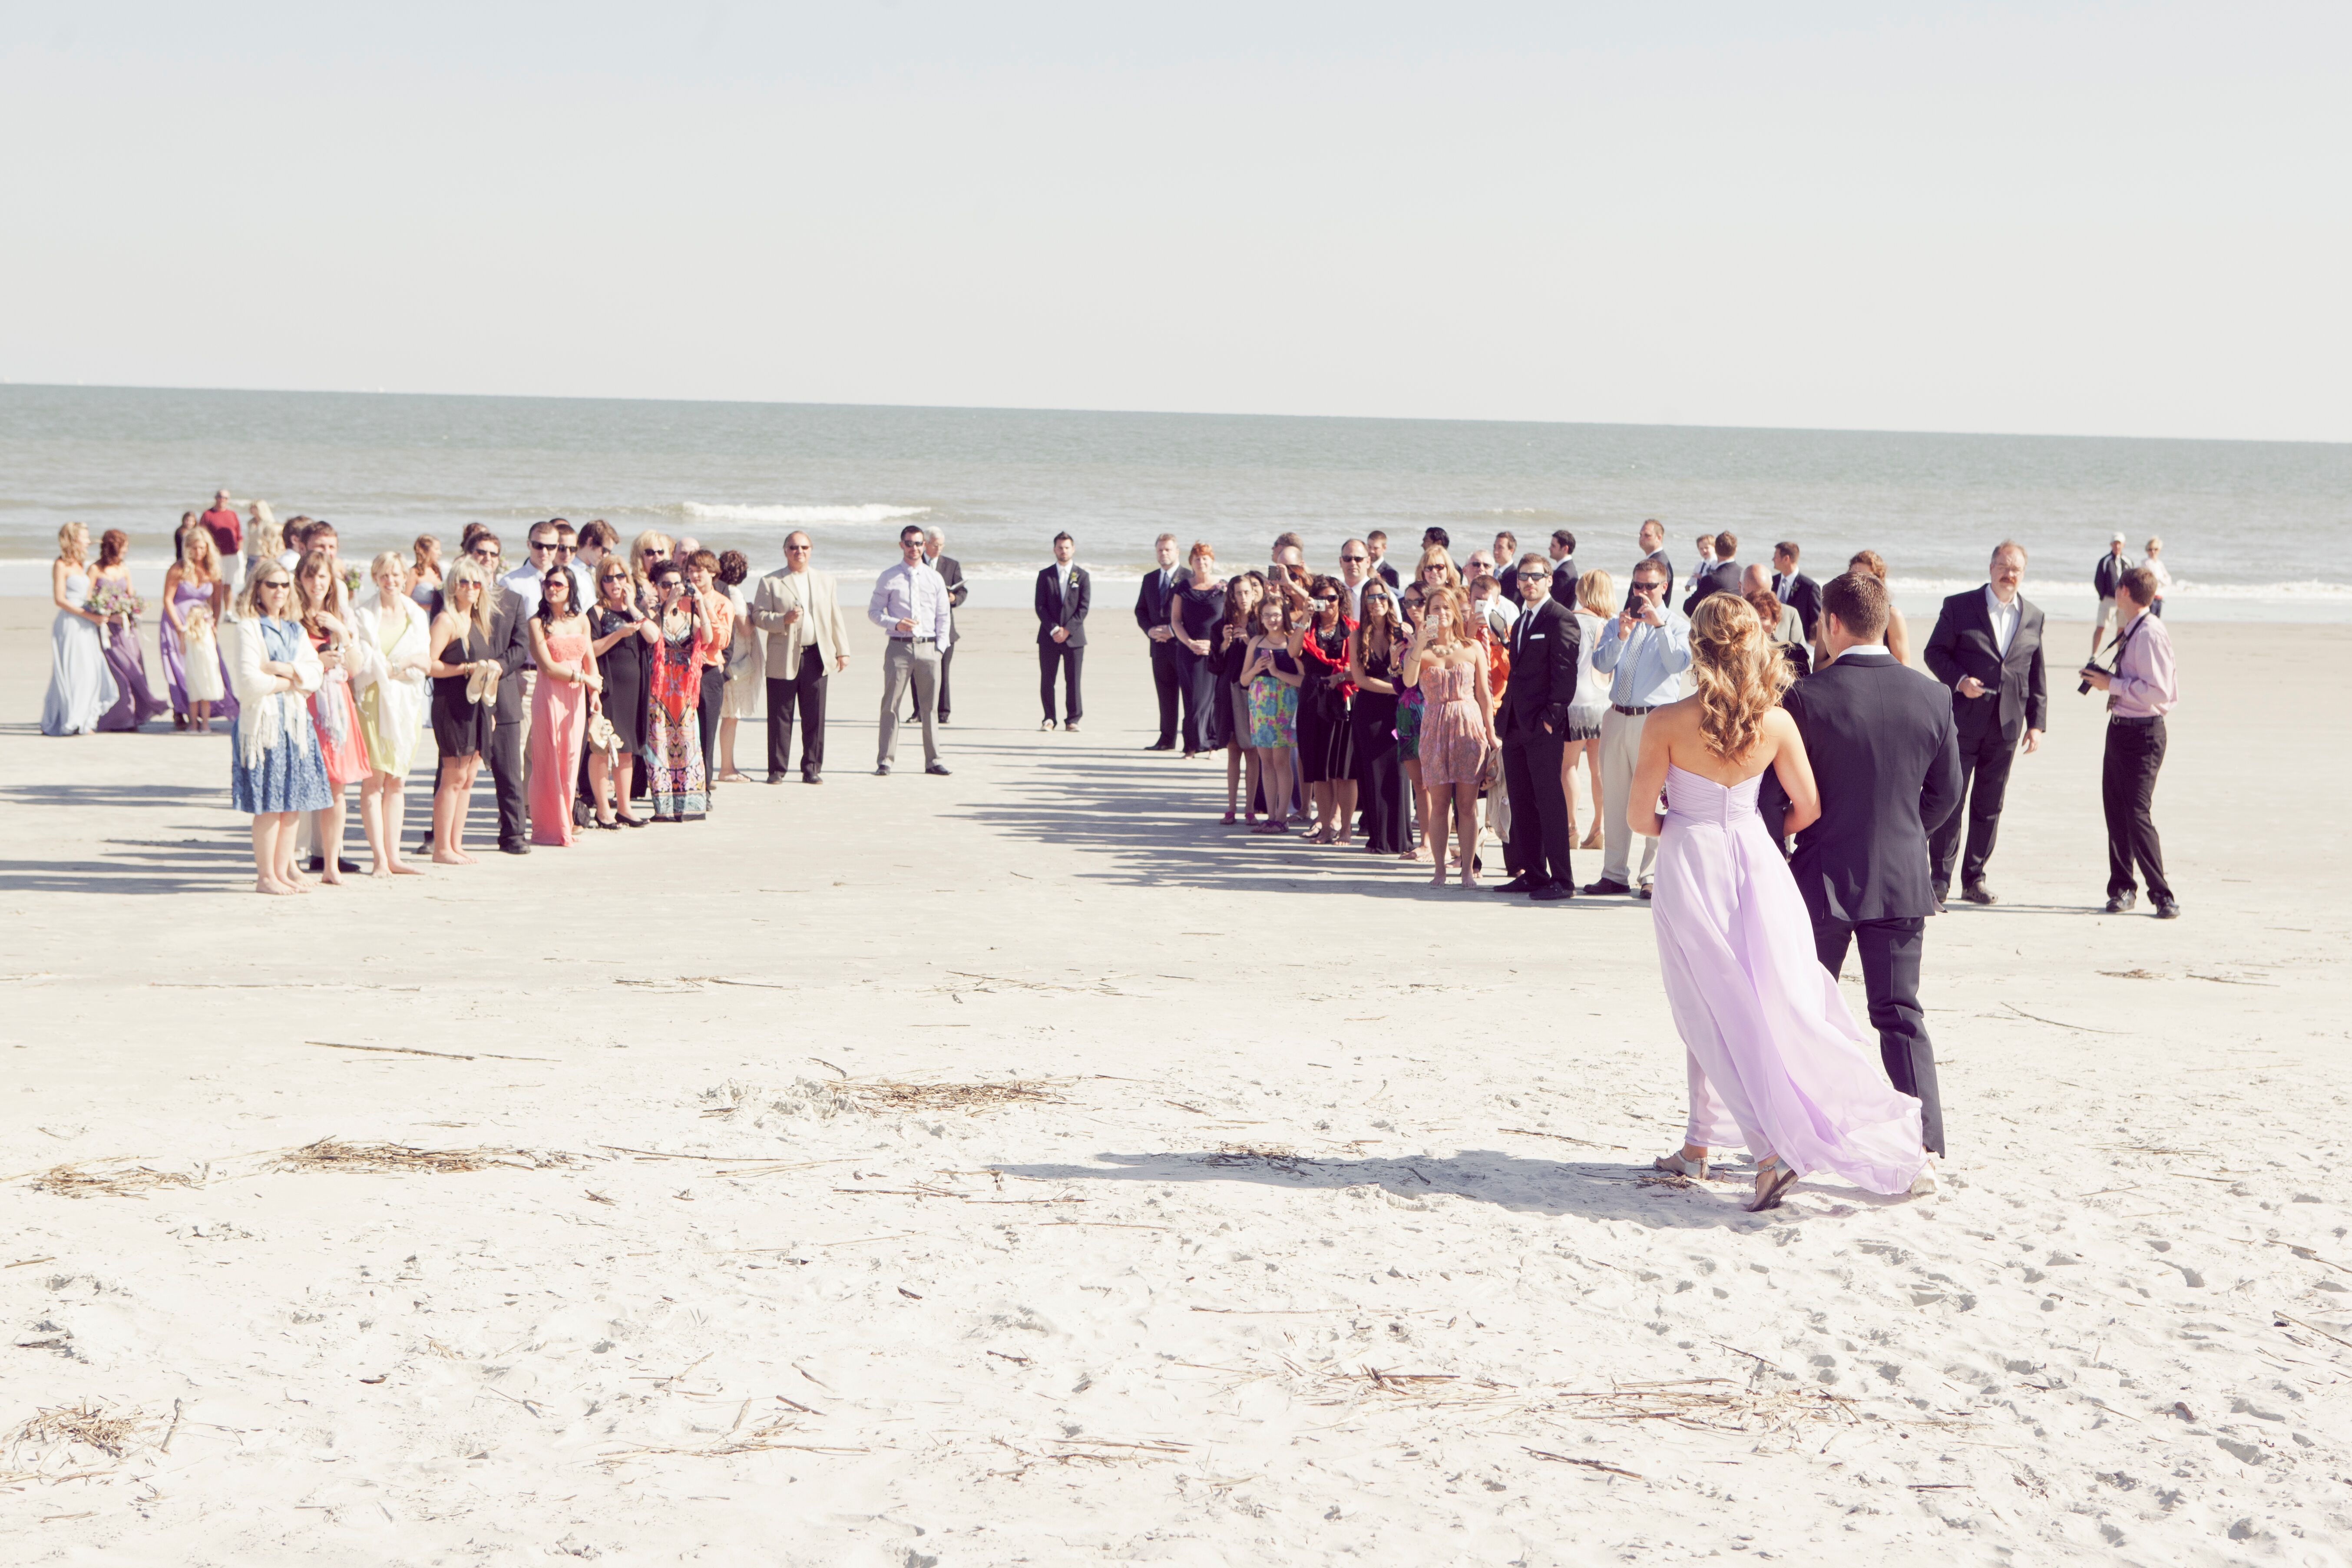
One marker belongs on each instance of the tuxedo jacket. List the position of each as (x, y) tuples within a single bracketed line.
[(1388, 573), (1667, 566), (1543, 643), (1563, 581), (509, 645), (1962, 644), (1067, 611), (1886, 756), (1722, 577), (1802, 595), (1151, 601), (951, 571)]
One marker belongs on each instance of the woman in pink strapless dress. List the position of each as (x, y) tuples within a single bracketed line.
[(560, 706), (1775, 1061), (1458, 725)]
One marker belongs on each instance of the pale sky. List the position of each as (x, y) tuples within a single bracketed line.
[(2127, 219)]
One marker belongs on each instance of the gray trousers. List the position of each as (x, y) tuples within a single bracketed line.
[(903, 662), (1621, 748)]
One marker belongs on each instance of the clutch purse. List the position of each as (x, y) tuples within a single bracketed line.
[(600, 735), (1490, 769)]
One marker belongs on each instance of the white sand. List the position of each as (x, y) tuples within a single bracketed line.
[(813, 1330)]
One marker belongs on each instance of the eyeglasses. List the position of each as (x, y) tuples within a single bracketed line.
[(1326, 604), (796, 550), (484, 553)]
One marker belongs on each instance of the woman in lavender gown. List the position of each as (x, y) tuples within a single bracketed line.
[(1776, 1061), (135, 700), (81, 686), (195, 673)]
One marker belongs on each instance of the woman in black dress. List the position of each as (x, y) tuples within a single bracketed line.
[(465, 692), (621, 660), (1193, 613), (1375, 657), (1229, 655), (1326, 754)]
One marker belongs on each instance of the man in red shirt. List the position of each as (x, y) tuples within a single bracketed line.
[(228, 533)]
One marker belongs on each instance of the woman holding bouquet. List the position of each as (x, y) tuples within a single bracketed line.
[(333, 712), (276, 771), (673, 747), (110, 595), (391, 649), (80, 686), (194, 595), (560, 705)]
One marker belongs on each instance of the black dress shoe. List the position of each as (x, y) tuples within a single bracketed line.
[(1516, 885), (515, 847), (775, 778), (1645, 892), (940, 769), (1604, 886), (1551, 892), (2167, 909), (626, 820), (812, 776), (1978, 893), (1161, 746), (315, 863), (881, 770), (2121, 903)]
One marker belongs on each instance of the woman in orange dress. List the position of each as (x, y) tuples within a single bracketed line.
[(333, 713)]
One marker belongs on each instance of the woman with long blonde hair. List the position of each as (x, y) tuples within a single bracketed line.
[(464, 688), (1458, 725), (1596, 607), (1774, 1057), (195, 598)]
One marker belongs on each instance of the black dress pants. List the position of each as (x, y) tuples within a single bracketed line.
[(1540, 833), (1060, 656), (1985, 761), (507, 779), (1890, 977), (1196, 686), (1165, 680), (805, 691), (2127, 790)]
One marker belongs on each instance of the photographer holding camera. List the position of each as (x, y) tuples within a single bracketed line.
[(1644, 652), (2141, 689)]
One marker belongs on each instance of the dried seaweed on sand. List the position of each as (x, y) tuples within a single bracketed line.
[(335, 1155), (69, 1442), (880, 1096), (1276, 1156), (117, 1178)]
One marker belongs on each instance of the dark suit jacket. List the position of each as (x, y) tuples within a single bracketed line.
[(1388, 573), (1151, 601), (1962, 644), (1667, 566), (1886, 757), (1055, 610), (1543, 643), (511, 646), (1563, 581), (1723, 577), (1801, 595), (951, 571)]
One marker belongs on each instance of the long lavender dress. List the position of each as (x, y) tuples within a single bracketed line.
[(1776, 1061), (126, 658), (191, 595)]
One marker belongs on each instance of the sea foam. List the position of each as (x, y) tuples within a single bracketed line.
[(872, 511)]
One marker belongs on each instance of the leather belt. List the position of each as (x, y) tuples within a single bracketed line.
[(2134, 719), (915, 640), (1632, 712)]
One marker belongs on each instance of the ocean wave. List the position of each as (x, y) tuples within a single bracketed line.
[(872, 511), (2182, 588)]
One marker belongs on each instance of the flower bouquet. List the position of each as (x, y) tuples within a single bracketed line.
[(112, 603)]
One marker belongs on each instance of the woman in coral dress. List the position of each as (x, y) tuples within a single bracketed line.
[(560, 705), (1457, 724), (334, 712)]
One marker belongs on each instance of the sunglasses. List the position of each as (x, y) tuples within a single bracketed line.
[(1347, 558), (796, 550), (1533, 576)]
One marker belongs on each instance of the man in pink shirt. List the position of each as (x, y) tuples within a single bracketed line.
[(227, 531), (2141, 689)]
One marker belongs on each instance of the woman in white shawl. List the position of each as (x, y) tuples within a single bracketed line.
[(391, 651), (275, 770)]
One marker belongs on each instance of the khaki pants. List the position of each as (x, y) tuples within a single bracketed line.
[(1621, 748), (904, 662)]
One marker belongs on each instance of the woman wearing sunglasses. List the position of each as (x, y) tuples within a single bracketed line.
[(276, 769)]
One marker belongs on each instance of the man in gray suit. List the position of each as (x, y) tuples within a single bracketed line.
[(807, 642)]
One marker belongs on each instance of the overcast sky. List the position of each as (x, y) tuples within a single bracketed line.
[(2130, 219)]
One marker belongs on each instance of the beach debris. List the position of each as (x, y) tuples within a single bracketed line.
[(120, 1178), (379, 1159), (1274, 1156), (881, 1096), (67, 1443)]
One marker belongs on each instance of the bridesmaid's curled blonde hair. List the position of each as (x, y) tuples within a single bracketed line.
[(1740, 675)]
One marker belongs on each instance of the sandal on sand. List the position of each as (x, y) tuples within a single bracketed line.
[(1673, 1164), (1773, 1178)]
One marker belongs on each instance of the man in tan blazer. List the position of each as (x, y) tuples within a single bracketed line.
[(801, 615)]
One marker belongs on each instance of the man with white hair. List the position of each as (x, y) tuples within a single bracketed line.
[(951, 571)]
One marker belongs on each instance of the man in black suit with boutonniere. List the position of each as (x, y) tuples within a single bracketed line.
[(1796, 589), (1064, 592), (1534, 727), (1151, 596), (1884, 753), (1987, 646)]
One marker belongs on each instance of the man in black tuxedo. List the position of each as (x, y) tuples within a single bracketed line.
[(1563, 568), (1654, 548), (1883, 748), (1534, 727), (1151, 596), (1063, 591), (1796, 589), (1720, 576), (1377, 543), (1987, 646), (951, 571)]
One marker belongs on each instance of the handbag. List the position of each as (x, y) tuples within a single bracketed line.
[(601, 734), (1490, 769)]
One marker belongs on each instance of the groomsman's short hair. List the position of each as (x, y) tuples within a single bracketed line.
[(1786, 547), (1858, 600), (1377, 536), (1061, 536), (598, 534), (914, 528), (1564, 538), (1435, 535), (1726, 545), (2140, 583)]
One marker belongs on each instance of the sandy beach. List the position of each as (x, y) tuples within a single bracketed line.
[(1020, 1167)]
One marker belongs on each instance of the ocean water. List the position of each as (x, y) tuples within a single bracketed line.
[(2251, 529)]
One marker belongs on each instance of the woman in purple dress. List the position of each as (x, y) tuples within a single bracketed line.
[(195, 672), (135, 699), (1775, 1061)]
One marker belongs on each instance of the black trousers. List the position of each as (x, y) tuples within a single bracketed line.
[(1540, 835), (1985, 761), (2127, 790), (713, 697), (507, 779), (804, 691), (1165, 680), (1890, 976), (1196, 686), (1069, 662)]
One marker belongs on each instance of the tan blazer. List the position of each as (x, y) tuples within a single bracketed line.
[(819, 626)]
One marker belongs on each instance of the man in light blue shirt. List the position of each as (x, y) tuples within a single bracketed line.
[(1644, 652), (910, 604)]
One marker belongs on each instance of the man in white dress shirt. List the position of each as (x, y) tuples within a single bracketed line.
[(910, 606)]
